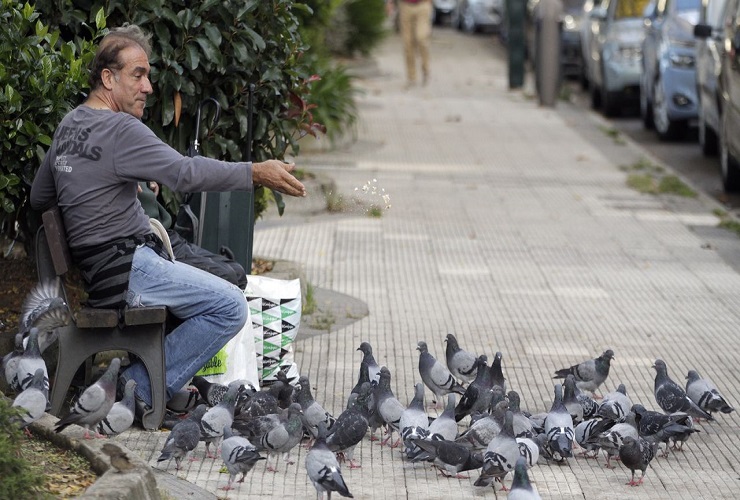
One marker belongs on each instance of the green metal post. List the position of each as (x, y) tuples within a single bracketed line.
[(515, 12)]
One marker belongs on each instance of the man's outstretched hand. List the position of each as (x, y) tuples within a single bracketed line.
[(276, 175)]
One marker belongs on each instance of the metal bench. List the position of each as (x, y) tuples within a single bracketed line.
[(139, 331)]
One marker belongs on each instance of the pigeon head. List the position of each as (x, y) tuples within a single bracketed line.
[(608, 355), (452, 340), (660, 366), (38, 380), (421, 346), (514, 400), (693, 376), (366, 349), (622, 388)]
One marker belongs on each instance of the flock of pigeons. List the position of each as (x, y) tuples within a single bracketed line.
[(500, 437)]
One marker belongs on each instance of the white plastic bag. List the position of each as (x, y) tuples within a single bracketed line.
[(275, 308), (237, 360)]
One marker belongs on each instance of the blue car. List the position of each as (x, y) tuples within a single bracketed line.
[(668, 99)]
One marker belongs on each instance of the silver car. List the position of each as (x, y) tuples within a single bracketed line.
[(478, 15), (615, 53)]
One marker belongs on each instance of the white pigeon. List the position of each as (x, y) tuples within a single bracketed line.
[(32, 401), (121, 415)]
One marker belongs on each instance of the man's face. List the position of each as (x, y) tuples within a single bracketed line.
[(131, 84)]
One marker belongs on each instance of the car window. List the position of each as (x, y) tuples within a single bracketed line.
[(629, 9)]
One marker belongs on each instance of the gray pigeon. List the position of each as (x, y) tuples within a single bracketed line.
[(351, 425), (449, 457), (323, 469), (478, 395), (461, 363), (45, 309), (30, 361), (184, 437), (501, 455), (559, 428), (443, 427), (94, 403), (435, 375), (523, 426), (498, 381), (571, 401), (210, 392), (636, 454), (184, 400), (481, 431), (589, 405), (612, 439), (10, 364), (589, 374), (368, 358), (705, 394), (529, 450), (615, 405), (388, 407), (521, 487), (32, 401), (121, 415), (239, 455), (658, 427), (363, 377), (222, 415), (312, 410), (414, 421), (283, 435), (587, 432), (671, 397)]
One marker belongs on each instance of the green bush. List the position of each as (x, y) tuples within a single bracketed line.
[(367, 19), (334, 97), (17, 480), (41, 77)]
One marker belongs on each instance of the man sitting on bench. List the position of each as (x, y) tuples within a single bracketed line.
[(101, 149)]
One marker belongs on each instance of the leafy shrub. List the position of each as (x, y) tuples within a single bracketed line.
[(41, 77), (366, 18), (17, 480)]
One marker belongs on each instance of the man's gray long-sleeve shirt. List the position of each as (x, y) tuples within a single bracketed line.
[(93, 166)]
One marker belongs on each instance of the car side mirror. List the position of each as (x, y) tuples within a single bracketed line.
[(702, 31)]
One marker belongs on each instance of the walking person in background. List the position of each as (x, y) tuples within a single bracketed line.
[(415, 19), (100, 151)]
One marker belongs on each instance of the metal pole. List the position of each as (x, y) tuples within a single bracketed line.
[(548, 51)]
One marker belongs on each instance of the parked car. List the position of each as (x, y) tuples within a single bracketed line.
[(478, 15), (668, 98), (443, 10), (589, 25), (615, 54), (571, 56), (707, 72), (729, 93)]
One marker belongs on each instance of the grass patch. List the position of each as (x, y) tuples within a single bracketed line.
[(726, 221), (613, 134), (323, 320), (647, 177), (309, 304), (375, 211)]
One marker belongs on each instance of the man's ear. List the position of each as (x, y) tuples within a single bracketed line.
[(107, 76)]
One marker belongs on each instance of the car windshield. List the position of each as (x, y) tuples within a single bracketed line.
[(630, 9), (688, 5)]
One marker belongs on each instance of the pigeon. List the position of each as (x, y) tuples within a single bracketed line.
[(372, 365), (521, 487), (239, 455), (658, 427), (283, 434), (705, 394), (30, 361), (478, 395), (31, 402), (449, 457), (210, 392), (121, 415), (589, 405), (571, 401), (559, 428), (388, 407), (611, 440), (118, 458), (414, 421), (444, 426), (94, 403), (460, 363), (45, 309), (481, 432), (184, 437), (435, 375), (529, 450), (351, 425), (184, 400), (258, 404), (10, 364), (500, 456), (636, 453), (523, 427), (589, 374), (361, 379), (222, 415), (285, 389), (323, 469), (587, 432), (312, 410), (497, 379), (615, 405), (671, 397)]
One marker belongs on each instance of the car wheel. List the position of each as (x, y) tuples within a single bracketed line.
[(646, 107), (666, 128), (595, 96), (610, 101), (728, 162), (707, 136)]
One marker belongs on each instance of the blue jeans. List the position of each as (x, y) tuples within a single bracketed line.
[(212, 309)]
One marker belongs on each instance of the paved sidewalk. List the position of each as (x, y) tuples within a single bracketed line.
[(512, 226)]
